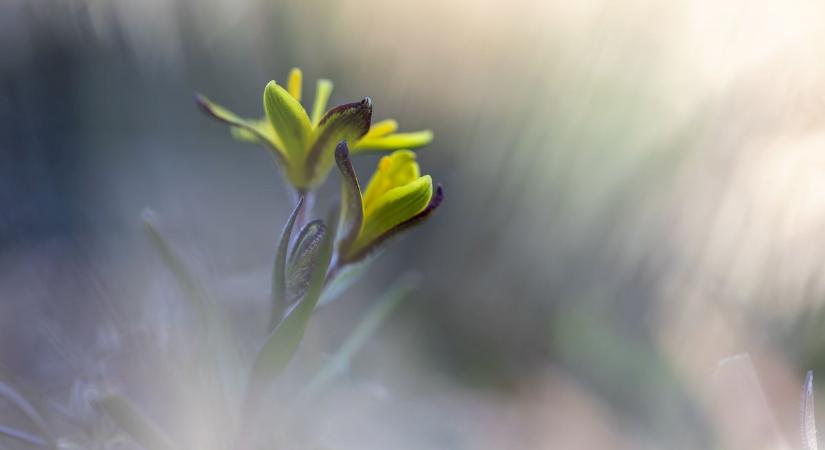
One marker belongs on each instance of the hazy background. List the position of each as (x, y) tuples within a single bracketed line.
[(635, 190)]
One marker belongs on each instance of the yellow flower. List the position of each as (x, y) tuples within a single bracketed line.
[(397, 197), (303, 143)]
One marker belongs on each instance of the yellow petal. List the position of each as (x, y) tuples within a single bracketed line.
[(322, 93), (294, 83), (394, 170), (382, 128), (393, 141), (395, 206)]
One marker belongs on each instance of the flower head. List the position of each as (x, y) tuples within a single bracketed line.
[(303, 143), (396, 198)]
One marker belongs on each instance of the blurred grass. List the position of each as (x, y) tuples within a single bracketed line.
[(631, 187)]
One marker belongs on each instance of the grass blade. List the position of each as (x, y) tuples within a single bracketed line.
[(25, 407), (24, 436), (135, 424), (369, 324), (808, 416)]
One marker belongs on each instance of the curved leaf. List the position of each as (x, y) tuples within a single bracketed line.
[(274, 356), (301, 260), (279, 286)]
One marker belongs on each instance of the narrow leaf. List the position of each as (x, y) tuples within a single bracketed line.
[(808, 415), (135, 424), (278, 292), (342, 277), (195, 292), (289, 119), (346, 122), (220, 349), (368, 325)]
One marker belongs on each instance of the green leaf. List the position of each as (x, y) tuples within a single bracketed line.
[(289, 119), (322, 93), (346, 122), (368, 325), (393, 142), (193, 289), (274, 356), (352, 205), (300, 265), (220, 351), (135, 424), (340, 279), (278, 292)]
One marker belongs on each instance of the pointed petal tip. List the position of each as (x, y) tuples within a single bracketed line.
[(341, 150), (203, 103)]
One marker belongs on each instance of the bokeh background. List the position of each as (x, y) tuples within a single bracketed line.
[(635, 195)]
